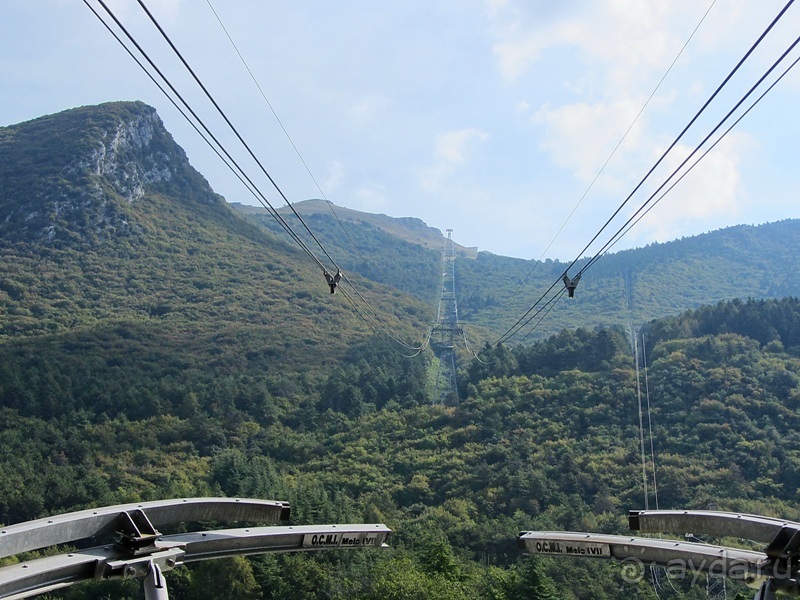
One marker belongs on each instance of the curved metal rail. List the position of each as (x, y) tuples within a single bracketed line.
[(748, 566), (141, 551), (773, 570), (110, 562), (716, 523), (100, 523)]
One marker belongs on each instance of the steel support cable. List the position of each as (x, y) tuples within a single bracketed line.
[(641, 215), (725, 81), (183, 113), (545, 308), (528, 317), (470, 349), (685, 129), (649, 421), (252, 154), (650, 201), (377, 324), (251, 186), (736, 122), (158, 85), (618, 235), (477, 357), (234, 130), (641, 423), (241, 174), (521, 322), (614, 151), (377, 330), (260, 196), (285, 132), (376, 314), (552, 303)]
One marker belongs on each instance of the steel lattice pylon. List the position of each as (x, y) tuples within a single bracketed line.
[(446, 328)]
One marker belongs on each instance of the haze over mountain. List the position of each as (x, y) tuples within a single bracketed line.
[(625, 288), (155, 342)]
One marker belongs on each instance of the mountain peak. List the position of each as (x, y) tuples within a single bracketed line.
[(77, 172), (408, 229), (128, 136)]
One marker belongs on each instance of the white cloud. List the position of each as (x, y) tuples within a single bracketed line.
[(625, 36), (368, 108), (334, 176), (494, 7), (711, 193), (517, 50), (168, 10), (452, 146), (451, 150), (581, 137), (371, 198)]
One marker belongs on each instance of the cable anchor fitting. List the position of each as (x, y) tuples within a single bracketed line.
[(571, 284), (333, 280)]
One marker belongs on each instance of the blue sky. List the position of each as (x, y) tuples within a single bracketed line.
[(490, 117)]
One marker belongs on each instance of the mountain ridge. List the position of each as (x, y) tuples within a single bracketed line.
[(409, 229), (76, 174), (112, 177), (198, 354), (102, 217)]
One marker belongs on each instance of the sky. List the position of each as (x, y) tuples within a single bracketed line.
[(522, 125)]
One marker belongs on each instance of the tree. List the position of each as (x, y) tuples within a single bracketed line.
[(530, 582)]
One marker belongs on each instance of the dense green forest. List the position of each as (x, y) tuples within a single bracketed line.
[(154, 344), (546, 438)]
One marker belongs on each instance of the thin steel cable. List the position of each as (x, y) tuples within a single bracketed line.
[(614, 151), (628, 223), (391, 333), (249, 184), (516, 327), (550, 306), (686, 128), (614, 239), (693, 165), (233, 129), (286, 132), (649, 421), (378, 330), (177, 94), (177, 106), (641, 423)]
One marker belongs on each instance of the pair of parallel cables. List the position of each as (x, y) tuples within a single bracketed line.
[(544, 304), (363, 307)]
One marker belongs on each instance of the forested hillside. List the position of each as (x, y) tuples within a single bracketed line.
[(394, 257), (154, 344), (635, 286), (624, 288)]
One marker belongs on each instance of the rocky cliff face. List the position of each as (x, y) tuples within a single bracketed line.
[(81, 172), (132, 139)]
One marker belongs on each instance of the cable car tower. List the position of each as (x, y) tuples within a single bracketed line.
[(446, 328)]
